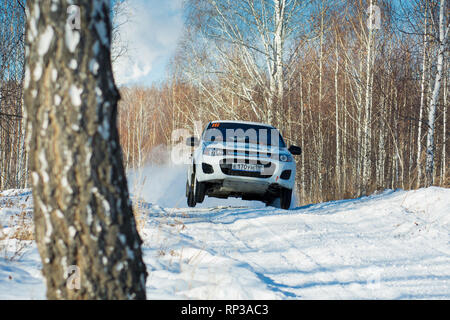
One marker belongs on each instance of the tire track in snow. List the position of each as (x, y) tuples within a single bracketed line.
[(298, 250)]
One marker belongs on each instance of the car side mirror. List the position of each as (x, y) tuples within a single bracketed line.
[(296, 151), (192, 142)]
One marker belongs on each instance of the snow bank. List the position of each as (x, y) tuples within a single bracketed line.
[(393, 245), (388, 246)]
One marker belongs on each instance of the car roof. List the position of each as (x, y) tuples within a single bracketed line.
[(243, 122)]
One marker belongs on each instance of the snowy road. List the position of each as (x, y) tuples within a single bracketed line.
[(389, 246), (395, 245)]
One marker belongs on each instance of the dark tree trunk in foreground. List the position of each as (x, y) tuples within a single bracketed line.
[(83, 216)]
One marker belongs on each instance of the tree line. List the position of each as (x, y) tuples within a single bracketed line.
[(367, 103), (13, 160)]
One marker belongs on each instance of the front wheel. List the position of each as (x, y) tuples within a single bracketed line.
[(285, 198), (199, 191), (190, 194)]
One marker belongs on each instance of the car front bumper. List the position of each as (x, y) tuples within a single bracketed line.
[(219, 169)]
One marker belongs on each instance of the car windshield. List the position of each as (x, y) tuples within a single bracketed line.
[(243, 132)]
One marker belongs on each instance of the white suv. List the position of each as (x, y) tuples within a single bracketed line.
[(241, 159)]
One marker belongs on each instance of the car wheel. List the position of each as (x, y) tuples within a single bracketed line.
[(200, 191), (190, 194), (269, 201), (285, 198), (187, 188)]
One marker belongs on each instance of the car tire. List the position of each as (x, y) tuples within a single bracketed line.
[(200, 190), (190, 194), (187, 188), (190, 200), (269, 201), (285, 198)]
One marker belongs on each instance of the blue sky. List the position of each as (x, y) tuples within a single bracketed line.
[(152, 34)]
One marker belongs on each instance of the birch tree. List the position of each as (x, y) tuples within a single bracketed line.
[(422, 95), (13, 173), (367, 141), (338, 147), (443, 36), (257, 34), (82, 213), (444, 127)]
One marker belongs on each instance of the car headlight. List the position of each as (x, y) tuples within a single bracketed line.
[(285, 158), (213, 152)]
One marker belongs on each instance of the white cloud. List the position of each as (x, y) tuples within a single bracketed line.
[(151, 34)]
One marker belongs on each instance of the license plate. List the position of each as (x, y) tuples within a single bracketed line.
[(247, 167)]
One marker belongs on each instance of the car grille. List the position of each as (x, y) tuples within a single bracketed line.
[(246, 153), (226, 164)]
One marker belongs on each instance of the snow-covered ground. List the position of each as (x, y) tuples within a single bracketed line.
[(394, 245)]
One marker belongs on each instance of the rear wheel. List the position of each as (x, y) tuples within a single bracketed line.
[(269, 201), (285, 198)]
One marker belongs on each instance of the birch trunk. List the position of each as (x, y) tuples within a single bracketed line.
[(83, 217), (444, 130), (443, 33), (338, 167), (278, 55), (367, 141), (302, 134), (381, 159), (359, 153), (422, 99), (320, 145)]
